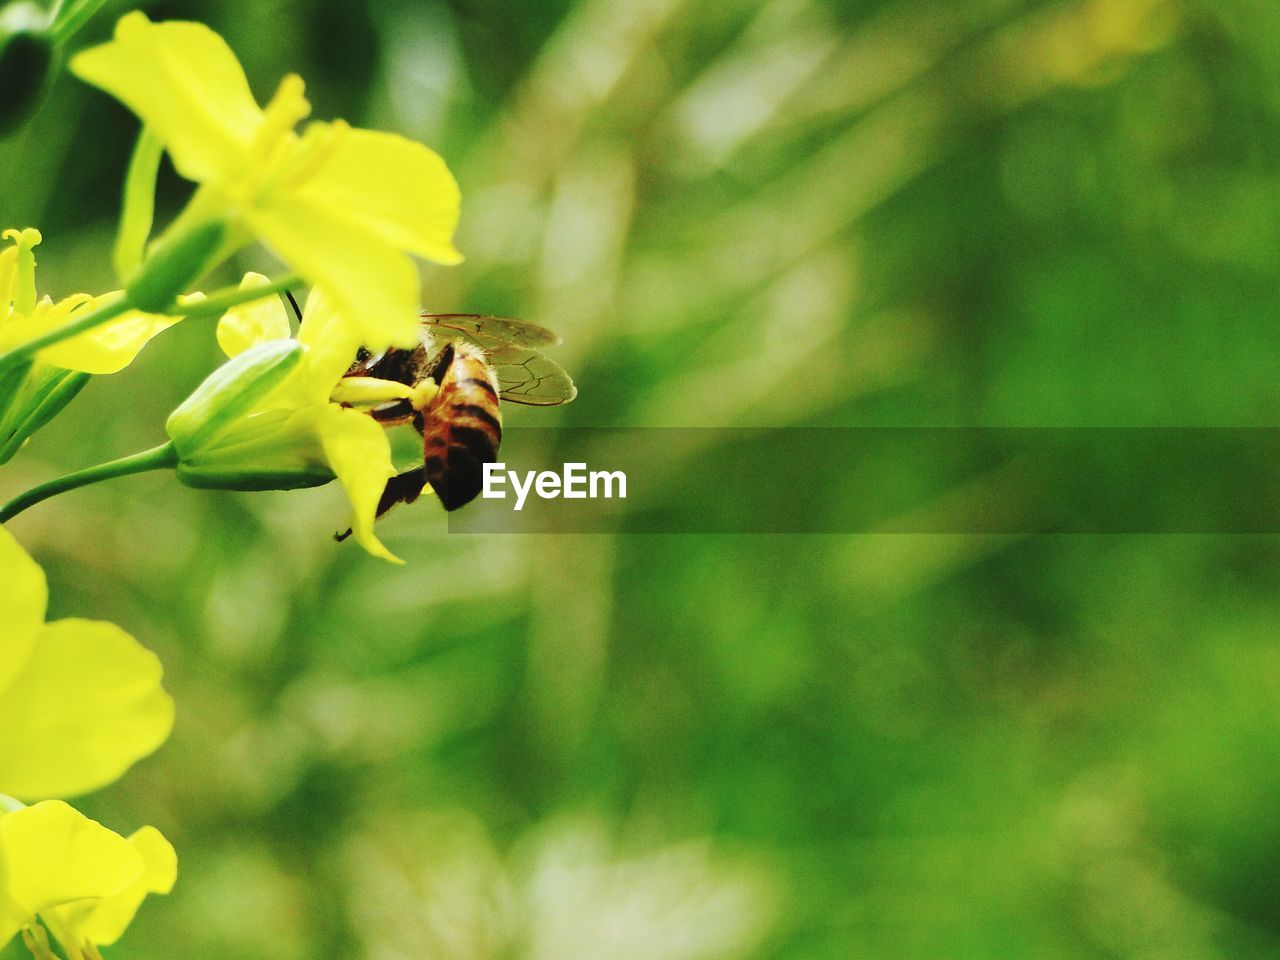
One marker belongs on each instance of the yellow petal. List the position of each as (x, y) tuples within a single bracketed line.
[(23, 595), (399, 189), (86, 706), (184, 82), (45, 316), (331, 341), (108, 348), (252, 323), (12, 916), (101, 922), (55, 855), (374, 286), (360, 455)]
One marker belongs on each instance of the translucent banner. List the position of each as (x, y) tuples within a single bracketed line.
[(881, 480)]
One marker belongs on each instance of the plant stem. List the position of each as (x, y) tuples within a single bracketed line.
[(214, 305), (157, 458), (67, 20), (220, 302)]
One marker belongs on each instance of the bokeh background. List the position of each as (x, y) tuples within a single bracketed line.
[(812, 212)]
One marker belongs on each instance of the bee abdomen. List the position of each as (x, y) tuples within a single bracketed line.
[(465, 432), (489, 422), (455, 468)]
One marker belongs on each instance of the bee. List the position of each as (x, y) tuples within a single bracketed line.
[(473, 361)]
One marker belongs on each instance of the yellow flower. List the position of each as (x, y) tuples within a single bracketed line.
[(84, 881), (343, 207), (108, 348), (291, 432), (80, 700)]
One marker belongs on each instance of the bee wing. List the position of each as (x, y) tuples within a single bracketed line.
[(526, 376), (489, 333)]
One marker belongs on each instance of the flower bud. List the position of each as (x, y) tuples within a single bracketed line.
[(26, 56), (175, 263), (229, 393), (276, 450)]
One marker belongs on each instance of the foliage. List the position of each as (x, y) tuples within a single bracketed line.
[(991, 212)]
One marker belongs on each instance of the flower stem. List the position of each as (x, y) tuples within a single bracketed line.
[(211, 306), (223, 300), (68, 19), (157, 458)]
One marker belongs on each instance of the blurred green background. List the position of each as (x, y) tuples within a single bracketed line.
[(914, 212)]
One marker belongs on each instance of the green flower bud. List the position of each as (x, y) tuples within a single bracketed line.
[(175, 263), (229, 393), (26, 57), (276, 450)]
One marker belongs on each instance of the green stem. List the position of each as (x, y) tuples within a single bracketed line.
[(211, 306), (158, 458), (68, 19), (216, 304)]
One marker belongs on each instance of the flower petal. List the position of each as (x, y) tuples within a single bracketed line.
[(373, 285), (252, 323), (397, 188), (184, 82), (87, 705), (23, 596), (331, 341), (55, 855), (360, 455), (108, 348), (101, 922)]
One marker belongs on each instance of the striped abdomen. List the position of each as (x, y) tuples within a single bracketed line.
[(461, 427)]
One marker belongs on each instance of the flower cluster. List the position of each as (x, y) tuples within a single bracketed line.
[(268, 418), (343, 207), (80, 702), (346, 210), (33, 392)]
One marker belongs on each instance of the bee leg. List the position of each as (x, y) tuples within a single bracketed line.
[(440, 366), (402, 488)]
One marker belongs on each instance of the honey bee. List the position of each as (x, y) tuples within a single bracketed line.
[(473, 360)]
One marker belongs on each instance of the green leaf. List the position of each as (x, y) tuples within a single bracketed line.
[(39, 407)]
